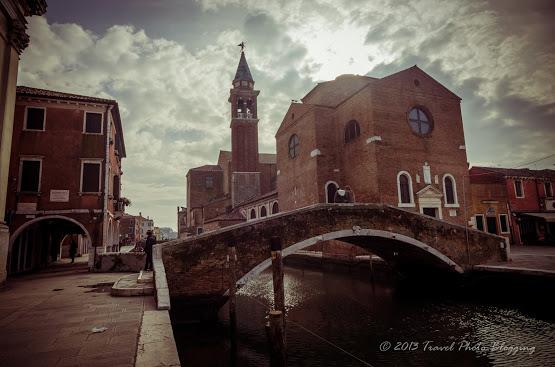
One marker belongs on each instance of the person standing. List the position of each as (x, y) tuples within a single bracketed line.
[(72, 249), (150, 241)]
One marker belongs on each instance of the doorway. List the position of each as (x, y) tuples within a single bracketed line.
[(491, 223), (432, 212)]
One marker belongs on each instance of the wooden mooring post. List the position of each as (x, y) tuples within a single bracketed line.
[(277, 274), (232, 283), (275, 328), (276, 336), (232, 278)]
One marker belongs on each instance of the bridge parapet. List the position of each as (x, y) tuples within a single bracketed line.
[(196, 266)]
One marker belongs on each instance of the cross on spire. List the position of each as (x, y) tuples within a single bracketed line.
[(242, 45)]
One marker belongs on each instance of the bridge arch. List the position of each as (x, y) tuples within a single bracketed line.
[(412, 242), (347, 235)]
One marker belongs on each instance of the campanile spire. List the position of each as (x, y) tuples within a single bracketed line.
[(244, 133)]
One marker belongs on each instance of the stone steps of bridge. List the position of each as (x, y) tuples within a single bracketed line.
[(140, 284)]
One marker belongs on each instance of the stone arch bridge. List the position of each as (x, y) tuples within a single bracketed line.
[(196, 266)]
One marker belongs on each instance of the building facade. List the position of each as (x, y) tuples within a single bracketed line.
[(516, 203), (13, 40), (130, 229), (147, 224), (181, 222), (397, 140), (218, 195), (65, 176)]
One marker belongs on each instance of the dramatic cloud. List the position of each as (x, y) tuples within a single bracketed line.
[(172, 78)]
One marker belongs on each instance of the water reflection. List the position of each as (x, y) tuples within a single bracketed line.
[(339, 319)]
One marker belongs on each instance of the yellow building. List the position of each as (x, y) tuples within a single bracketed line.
[(13, 40)]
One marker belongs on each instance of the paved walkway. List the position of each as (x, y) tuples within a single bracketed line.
[(538, 260), (46, 319)]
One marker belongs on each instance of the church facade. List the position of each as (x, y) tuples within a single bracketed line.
[(397, 140)]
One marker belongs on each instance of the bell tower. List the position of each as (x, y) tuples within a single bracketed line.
[(245, 175)]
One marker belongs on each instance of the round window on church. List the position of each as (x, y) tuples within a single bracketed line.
[(420, 122)]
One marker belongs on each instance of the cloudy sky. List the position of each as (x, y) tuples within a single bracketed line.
[(169, 64)]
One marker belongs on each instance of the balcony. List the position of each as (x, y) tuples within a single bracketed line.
[(120, 205)]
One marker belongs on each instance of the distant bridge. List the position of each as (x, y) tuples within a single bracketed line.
[(412, 242)]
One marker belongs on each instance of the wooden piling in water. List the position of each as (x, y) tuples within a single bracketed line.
[(232, 278), (277, 274), (276, 339)]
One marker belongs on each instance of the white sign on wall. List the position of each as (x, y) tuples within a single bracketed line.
[(59, 196), (26, 208)]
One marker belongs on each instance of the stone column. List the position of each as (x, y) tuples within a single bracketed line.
[(9, 60)]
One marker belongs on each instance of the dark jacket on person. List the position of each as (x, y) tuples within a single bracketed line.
[(73, 248), (150, 241)]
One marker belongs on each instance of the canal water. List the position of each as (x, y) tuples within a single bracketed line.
[(341, 318)]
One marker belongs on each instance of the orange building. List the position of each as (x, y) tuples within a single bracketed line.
[(65, 176), (516, 203)]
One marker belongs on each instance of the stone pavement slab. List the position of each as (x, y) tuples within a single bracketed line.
[(46, 320), (526, 260), (156, 344)]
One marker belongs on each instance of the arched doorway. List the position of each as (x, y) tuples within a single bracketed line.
[(38, 243)]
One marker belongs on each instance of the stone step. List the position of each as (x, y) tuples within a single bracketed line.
[(145, 277), (129, 285)]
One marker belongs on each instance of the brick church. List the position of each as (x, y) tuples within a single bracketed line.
[(397, 140)]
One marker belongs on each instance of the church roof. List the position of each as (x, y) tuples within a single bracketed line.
[(331, 93), (243, 71), (207, 167)]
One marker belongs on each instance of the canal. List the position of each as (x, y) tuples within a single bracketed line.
[(338, 317)]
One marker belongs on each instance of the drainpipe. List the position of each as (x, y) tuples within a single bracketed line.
[(106, 190), (466, 219)]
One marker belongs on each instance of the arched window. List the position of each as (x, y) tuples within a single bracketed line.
[(263, 212), (253, 213), (450, 190), (275, 208), (331, 189), (293, 146), (419, 121), (404, 189), (352, 131)]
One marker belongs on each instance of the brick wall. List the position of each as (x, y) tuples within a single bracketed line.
[(370, 165)]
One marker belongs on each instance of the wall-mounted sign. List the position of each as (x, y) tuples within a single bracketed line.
[(26, 208), (59, 196), (490, 212)]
